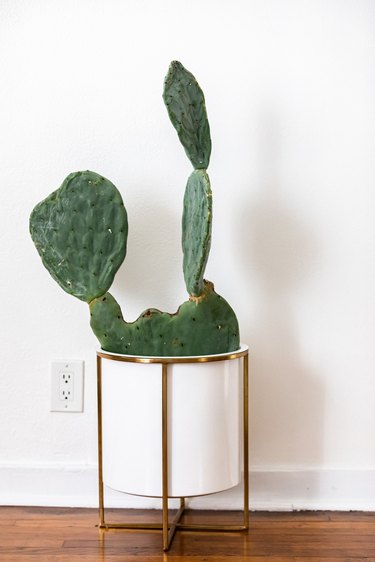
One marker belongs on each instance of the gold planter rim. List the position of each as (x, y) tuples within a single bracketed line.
[(241, 352)]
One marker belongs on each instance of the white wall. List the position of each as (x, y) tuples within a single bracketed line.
[(290, 90)]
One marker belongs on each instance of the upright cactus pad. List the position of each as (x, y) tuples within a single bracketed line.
[(80, 232), (195, 329), (196, 230), (187, 111)]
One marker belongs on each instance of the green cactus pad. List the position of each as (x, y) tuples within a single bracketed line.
[(187, 111), (80, 232), (203, 328), (196, 230)]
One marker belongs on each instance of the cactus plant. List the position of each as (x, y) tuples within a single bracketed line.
[(80, 232)]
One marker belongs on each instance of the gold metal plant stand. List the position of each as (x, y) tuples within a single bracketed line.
[(169, 528)]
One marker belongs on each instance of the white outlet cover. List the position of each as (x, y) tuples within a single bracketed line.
[(67, 398)]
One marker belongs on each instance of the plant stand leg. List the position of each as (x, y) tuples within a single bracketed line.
[(168, 531), (100, 438), (246, 440), (166, 541)]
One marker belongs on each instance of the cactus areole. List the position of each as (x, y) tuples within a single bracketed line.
[(80, 232)]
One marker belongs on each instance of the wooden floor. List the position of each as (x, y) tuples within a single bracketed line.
[(30, 534)]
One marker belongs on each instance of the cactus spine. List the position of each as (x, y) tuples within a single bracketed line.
[(80, 232)]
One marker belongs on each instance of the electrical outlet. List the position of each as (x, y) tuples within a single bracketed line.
[(67, 386)]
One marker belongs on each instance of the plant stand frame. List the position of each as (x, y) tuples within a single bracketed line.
[(169, 528)]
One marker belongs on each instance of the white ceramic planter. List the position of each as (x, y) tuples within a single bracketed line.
[(204, 411)]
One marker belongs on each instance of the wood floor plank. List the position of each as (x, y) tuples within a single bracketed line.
[(49, 556), (30, 534)]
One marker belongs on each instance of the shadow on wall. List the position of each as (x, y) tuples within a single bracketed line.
[(287, 398)]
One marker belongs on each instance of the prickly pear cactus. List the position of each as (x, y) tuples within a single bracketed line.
[(195, 329), (80, 232), (187, 111), (196, 230)]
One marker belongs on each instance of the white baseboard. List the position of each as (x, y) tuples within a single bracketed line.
[(270, 490)]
